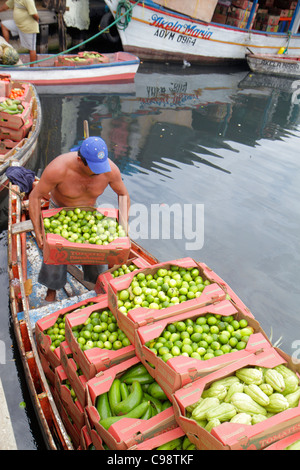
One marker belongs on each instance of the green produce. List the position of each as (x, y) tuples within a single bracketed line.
[(242, 418), (131, 401), (217, 390), (223, 412), (164, 288), (103, 407), (250, 397), (234, 388), (84, 226), (100, 330), (114, 395), (255, 392), (204, 406), (11, 106), (180, 443), (290, 384), (266, 388), (202, 338), (277, 403), (250, 375), (245, 404), (275, 379), (8, 55), (212, 423), (124, 269), (258, 418), (133, 372), (136, 413), (156, 391), (293, 398)]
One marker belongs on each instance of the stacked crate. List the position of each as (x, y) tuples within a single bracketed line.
[(80, 378), (13, 127)]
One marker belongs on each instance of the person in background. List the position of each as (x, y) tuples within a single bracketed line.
[(75, 179), (26, 20)]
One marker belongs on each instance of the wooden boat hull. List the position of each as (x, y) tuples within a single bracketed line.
[(159, 34), (50, 421), (121, 69), (281, 65)]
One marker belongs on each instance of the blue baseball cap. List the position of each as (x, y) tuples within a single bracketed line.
[(94, 150)]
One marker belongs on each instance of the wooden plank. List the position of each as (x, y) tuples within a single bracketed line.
[(20, 227)]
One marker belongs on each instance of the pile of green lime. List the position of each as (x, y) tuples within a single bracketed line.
[(124, 269), (57, 332), (100, 330), (84, 226), (164, 288), (205, 337)]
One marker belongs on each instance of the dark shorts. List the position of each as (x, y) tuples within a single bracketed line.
[(55, 276)]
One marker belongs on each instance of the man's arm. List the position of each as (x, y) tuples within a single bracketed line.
[(39, 192), (118, 186)]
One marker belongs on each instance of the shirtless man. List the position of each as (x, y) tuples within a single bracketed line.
[(75, 179)]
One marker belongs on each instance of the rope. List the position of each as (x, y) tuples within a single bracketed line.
[(128, 11), (127, 14)]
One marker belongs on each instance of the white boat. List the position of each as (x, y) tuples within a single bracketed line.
[(118, 67), (272, 64), (155, 32)]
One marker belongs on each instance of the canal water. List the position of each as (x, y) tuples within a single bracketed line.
[(211, 161)]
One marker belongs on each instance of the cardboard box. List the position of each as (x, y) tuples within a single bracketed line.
[(73, 408), (180, 370), (15, 121), (77, 380), (200, 9), (104, 279), (16, 134), (164, 438), (142, 316), (72, 430), (126, 432), (58, 250), (209, 274), (49, 371), (26, 96), (285, 442), (68, 61), (96, 359), (244, 4), (235, 436), (7, 145), (219, 18), (44, 341)]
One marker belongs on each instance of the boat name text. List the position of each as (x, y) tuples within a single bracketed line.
[(186, 31)]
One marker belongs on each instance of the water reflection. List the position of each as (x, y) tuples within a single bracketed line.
[(186, 111)]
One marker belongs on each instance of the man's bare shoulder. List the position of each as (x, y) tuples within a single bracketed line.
[(61, 163)]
